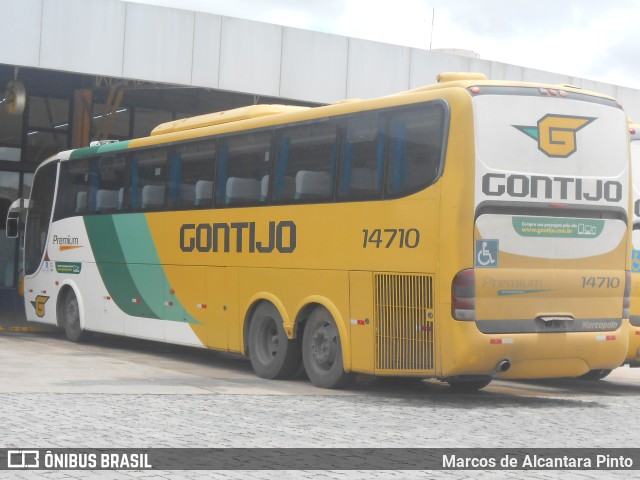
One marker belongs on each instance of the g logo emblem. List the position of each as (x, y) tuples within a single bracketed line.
[(556, 134), (39, 305)]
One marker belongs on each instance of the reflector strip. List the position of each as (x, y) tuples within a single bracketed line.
[(168, 304), (136, 300), (201, 305), (500, 341), (605, 338), (107, 298)]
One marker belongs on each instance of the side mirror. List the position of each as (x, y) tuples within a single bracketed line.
[(13, 219), (12, 227)]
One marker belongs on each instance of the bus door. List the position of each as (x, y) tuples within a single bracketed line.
[(38, 268), (551, 207)]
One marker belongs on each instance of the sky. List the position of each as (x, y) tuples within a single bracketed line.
[(592, 39)]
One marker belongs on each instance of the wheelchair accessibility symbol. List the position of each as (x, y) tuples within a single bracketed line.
[(486, 254)]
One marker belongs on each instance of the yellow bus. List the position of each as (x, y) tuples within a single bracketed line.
[(463, 231), (633, 357)]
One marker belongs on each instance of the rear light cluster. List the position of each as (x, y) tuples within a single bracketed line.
[(553, 92), (626, 302), (463, 295)]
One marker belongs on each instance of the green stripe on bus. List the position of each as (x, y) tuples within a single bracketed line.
[(113, 268), (130, 266), (106, 148), (140, 255)]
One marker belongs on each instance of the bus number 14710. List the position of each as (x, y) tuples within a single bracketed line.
[(391, 237), (600, 282)]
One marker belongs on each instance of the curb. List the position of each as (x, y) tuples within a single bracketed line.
[(26, 329)]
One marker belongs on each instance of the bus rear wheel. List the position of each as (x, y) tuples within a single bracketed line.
[(272, 354), (322, 352), (71, 318), (595, 374)]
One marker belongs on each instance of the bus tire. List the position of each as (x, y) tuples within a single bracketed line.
[(322, 352), (70, 318), (271, 353), (595, 374)]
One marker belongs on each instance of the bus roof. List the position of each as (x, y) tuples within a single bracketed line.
[(470, 79), (226, 116), (254, 116)]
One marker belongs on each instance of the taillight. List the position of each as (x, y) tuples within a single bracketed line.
[(463, 295), (626, 302)]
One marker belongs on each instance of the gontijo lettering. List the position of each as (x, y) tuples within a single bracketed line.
[(556, 188), (238, 237)]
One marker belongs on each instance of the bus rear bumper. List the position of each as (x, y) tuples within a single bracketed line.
[(539, 355)]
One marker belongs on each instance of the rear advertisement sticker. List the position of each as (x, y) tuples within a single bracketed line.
[(557, 227)]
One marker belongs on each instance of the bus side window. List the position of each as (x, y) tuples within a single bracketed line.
[(242, 167), (191, 168), (73, 190), (110, 184), (415, 149), (363, 151), (148, 179), (305, 163)]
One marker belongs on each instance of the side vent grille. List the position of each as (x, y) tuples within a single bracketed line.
[(404, 323)]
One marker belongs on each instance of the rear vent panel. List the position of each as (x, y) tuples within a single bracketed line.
[(404, 323)]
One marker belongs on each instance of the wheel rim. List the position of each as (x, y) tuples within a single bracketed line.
[(324, 347), (268, 345)]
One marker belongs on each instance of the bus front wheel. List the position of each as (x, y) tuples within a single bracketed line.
[(321, 351), (71, 318), (272, 354)]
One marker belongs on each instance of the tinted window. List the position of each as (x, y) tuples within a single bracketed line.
[(415, 148), (73, 192), (148, 179), (243, 169), (108, 184), (363, 150), (191, 169), (306, 163)]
